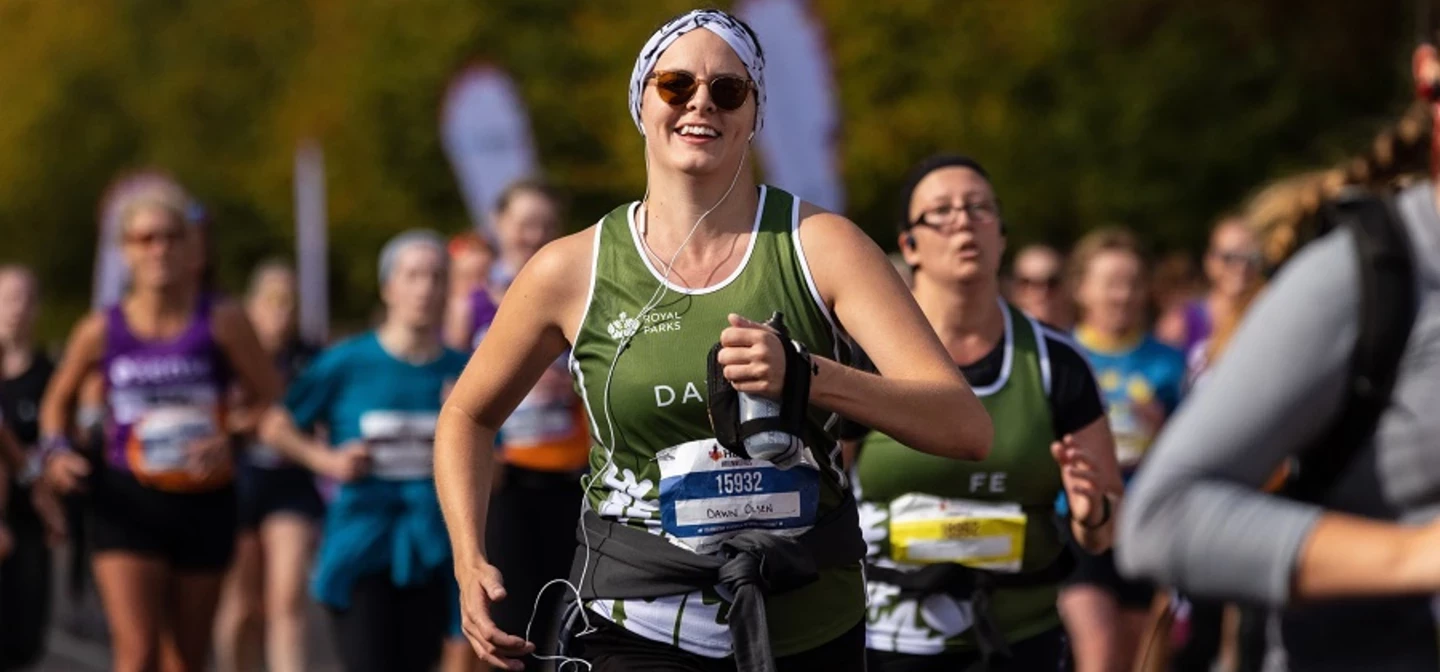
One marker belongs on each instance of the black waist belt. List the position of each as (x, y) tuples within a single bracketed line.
[(975, 586), (629, 563)]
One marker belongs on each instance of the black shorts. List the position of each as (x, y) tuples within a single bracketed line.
[(1099, 571), (265, 492), (388, 628), (613, 648), (191, 531), (531, 537)]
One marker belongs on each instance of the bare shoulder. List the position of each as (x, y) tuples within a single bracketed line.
[(91, 327), (823, 230), (837, 250), (88, 335)]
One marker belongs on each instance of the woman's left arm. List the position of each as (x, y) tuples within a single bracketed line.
[(919, 398)]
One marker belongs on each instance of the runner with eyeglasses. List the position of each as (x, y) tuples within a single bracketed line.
[(1232, 265), (966, 558), (161, 500), (676, 526)]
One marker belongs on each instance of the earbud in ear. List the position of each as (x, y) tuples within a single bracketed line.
[(752, 135), (910, 240)]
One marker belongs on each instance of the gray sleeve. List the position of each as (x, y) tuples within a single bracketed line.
[(1195, 517)]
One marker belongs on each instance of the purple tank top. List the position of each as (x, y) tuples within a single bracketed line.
[(162, 395), (1197, 324), (482, 312)]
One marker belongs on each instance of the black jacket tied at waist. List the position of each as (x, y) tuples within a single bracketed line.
[(629, 563)]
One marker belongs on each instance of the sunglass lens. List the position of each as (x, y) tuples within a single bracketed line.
[(675, 88), (729, 92)]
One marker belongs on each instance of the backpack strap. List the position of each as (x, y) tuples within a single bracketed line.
[(1388, 306)]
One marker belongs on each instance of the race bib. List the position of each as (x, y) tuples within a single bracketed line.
[(539, 422), (163, 436), (401, 444), (547, 414), (708, 494), (1132, 440), (985, 535)]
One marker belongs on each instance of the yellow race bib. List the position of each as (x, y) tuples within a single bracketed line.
[(925, 529)]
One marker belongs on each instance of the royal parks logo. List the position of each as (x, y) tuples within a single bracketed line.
[(656, 322), (623, 326)]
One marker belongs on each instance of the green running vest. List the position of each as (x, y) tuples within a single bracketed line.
[(666, 473), (1019, 470)]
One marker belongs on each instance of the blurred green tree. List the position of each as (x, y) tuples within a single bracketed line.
[(1153, 114)]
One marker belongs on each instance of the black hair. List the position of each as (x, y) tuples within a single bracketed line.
[(924, 168)]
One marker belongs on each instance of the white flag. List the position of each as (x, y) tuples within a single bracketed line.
[(797, 145), (311, 247), (486, 132)]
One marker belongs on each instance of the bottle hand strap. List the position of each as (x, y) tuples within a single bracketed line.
[(723, 400)]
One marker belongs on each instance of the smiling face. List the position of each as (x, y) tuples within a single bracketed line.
[(1112, 291), (697, 137), (961, 241)]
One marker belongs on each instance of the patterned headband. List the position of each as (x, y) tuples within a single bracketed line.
[(735, 33)]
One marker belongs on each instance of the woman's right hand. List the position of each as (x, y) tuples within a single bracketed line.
[(349, 462), (480, 585), (65, 472)]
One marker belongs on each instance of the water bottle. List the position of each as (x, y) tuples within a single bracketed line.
[(779, 448)]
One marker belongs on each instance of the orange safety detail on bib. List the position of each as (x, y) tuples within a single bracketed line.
[(157, 451), (570, 452)]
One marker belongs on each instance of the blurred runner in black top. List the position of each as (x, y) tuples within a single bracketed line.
[(25, 573), (280, 509)]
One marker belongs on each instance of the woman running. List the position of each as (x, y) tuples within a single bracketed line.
[(1140, 379), (527, 217), (933, 524), (263, 607), (382, 567), (544, 445), (1355, 569), (35, 516), (161, 500), (643, 297)]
